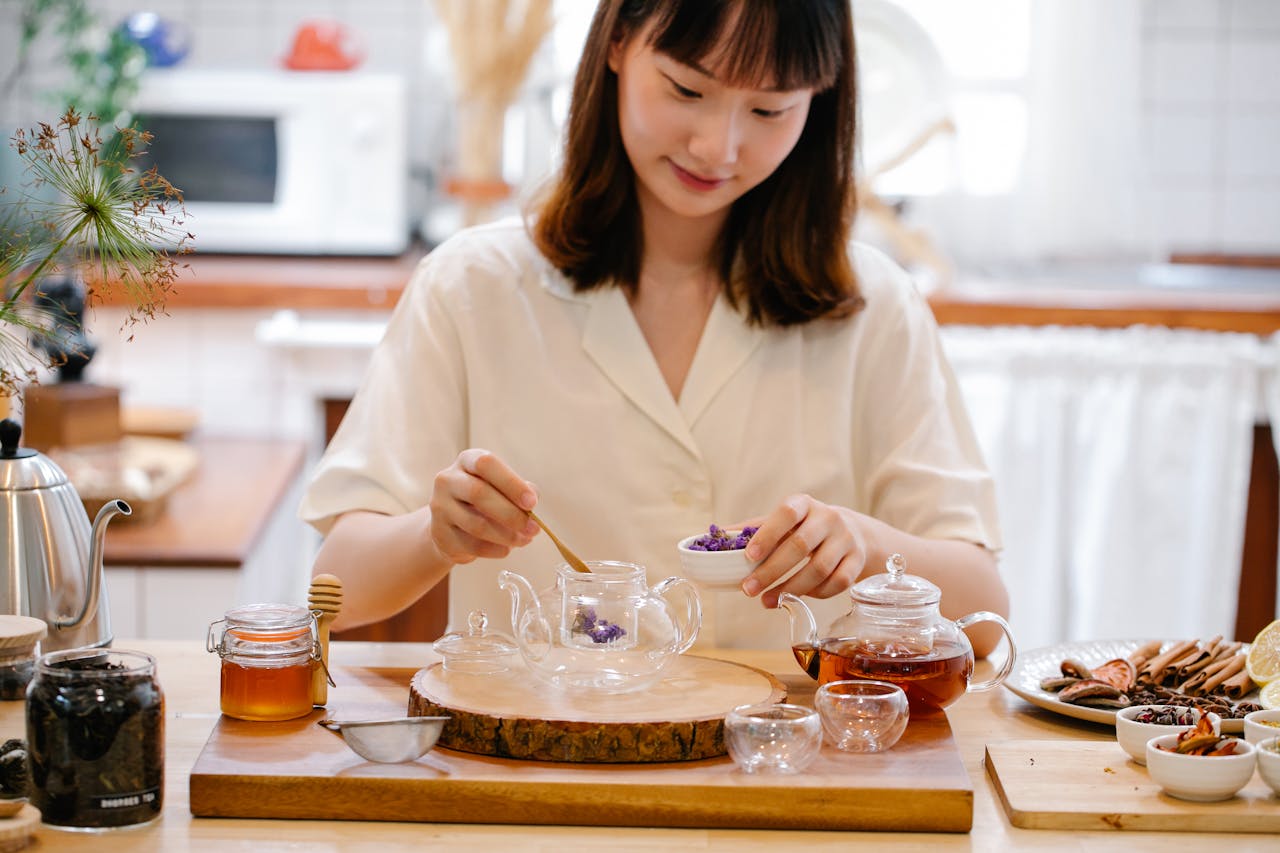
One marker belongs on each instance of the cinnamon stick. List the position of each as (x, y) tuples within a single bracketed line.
[(1160, 661), (1237, 685), (1169, 673), (1144, 653), (1223, 651), (1234, 666), (1205, 652), (1195, 683)]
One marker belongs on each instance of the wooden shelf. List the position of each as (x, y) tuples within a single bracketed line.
[(346, 283)]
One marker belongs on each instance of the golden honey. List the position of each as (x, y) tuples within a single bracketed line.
[(268, 653)]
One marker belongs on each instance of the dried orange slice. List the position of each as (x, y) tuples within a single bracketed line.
[(1119, 673), (1263, 662)]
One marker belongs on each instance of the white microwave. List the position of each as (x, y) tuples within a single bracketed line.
[(282, 162)]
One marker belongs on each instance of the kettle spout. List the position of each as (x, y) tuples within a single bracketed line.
[(94, 579), (528, 623), (804, 633)]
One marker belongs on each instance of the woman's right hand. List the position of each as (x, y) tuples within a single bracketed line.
[(480, 508)]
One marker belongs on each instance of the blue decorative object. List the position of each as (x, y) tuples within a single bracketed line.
[(165, 42)]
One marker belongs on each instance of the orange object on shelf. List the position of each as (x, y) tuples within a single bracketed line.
[(323, 46)]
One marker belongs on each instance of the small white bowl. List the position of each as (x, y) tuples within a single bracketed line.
[(1200, 778), (1133, 735), (1254, 730), (714, 569), (1269, 762)]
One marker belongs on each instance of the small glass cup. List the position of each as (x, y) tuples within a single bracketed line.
[(773, 738), (861, 715)]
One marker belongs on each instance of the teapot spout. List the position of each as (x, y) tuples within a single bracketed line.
[(804, 633), (530, 626), (94, 576)]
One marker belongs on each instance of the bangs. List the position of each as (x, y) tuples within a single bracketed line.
[(782, 44)]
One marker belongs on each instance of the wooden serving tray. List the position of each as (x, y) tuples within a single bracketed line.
[(514, 715), (1054, 784), (297, 769)]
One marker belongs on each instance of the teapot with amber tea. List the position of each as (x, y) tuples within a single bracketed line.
[(895, 633)]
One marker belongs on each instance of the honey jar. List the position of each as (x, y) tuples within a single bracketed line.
[(268, 653)]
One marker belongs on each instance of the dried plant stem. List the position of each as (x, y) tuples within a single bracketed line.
[(492, 43)]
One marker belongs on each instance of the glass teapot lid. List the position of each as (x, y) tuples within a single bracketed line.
[(477, 649), (896, 588)]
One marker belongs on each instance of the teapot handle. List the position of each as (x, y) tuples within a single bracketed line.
[(688, 618), (987, 616)]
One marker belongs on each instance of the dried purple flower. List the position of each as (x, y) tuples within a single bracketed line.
[(718, 539), (599, 630)]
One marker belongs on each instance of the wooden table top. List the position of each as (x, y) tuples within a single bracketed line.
[(189, 677), (215, 518)]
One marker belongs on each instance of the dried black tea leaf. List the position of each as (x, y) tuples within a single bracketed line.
[(13, 769), (95, 733)]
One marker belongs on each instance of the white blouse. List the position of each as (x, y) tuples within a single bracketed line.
[(490, 347)]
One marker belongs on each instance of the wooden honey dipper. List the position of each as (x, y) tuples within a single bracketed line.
[(325, 596)]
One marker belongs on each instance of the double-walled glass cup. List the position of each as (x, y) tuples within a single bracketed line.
[(861, 715), (772, 738)]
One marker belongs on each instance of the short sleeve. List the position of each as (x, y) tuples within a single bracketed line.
[(924, 470), (406, 421)]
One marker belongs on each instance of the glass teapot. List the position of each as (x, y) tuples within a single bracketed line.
[(603, 631), (895, 633)]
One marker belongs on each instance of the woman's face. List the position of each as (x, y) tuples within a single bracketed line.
[(695, 143)]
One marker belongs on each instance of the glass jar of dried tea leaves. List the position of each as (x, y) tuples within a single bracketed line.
[(95, 738), (18, 638)]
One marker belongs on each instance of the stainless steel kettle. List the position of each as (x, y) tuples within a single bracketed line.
[(52, 557)]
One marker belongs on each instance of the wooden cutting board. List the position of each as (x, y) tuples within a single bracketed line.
[(297, 769), (681, 718), (1073, 785)]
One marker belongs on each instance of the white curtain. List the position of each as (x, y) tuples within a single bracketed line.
[(1121, 460)]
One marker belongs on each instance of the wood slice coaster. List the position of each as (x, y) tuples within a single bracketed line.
[(514, 715)]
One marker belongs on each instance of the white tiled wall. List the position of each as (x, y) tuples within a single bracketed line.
[(1210, 180), (1211, 113)]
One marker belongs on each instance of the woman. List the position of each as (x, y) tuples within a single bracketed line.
[(681, 334)]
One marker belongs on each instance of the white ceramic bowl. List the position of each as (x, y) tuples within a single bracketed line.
[(1269, 762), (1133, 735), (714, 569), (1254, 730), (1200, 778)]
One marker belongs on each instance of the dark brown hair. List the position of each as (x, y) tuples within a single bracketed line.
[(783, 252)]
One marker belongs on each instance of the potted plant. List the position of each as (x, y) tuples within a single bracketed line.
[(82, 211)]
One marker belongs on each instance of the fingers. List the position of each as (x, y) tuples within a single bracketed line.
[(826, 539), (478, 508), (497, 474)]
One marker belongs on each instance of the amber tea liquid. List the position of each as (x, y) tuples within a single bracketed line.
[(932, 680)]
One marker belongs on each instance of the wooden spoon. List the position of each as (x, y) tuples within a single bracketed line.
[(574, 561)]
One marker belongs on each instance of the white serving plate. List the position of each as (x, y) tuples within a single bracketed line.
[(1037, 664)]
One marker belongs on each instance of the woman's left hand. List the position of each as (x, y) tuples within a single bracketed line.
[(832, 539)]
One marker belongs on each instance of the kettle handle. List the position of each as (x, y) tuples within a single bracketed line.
[(109, 511), (987, 616)]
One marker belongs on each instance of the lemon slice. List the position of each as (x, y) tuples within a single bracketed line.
[(1263, 662), (1269, 698)]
